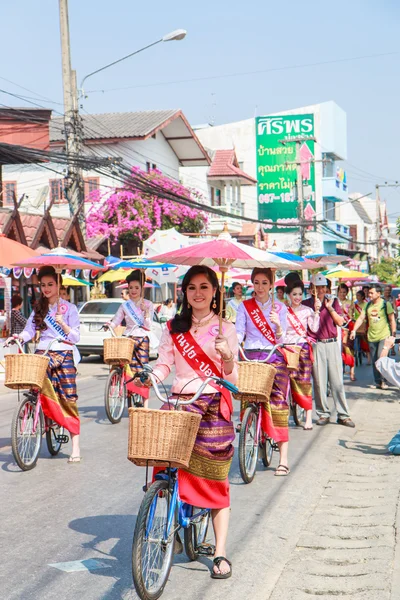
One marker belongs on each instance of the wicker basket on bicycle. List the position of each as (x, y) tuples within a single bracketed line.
[(118, 350), (255, 381), (25, 371), (161, 437), (292, 357)]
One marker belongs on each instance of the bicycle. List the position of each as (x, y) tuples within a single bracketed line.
[(252, 439), (29, 423), (116, 395), (161, 515)]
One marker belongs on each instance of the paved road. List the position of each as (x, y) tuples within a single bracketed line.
[(61, 513)]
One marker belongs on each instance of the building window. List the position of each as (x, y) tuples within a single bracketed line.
[(91, 185), (154, 166), (329, 210), (57, 192), (148, 167), (215, 197), (9, 192)]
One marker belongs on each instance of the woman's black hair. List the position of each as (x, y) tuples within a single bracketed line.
[(297, 283), (260, 271), (343, 286), (291, 278), (41, 307), (362, 293), (234, 284), (280, 287), (182, 323), (136, 275), (168, 300)]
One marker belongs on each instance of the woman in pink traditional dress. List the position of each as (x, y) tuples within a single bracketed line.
[(261, 324), (57, 319), (301, 319), (138, 314), (192, 344)]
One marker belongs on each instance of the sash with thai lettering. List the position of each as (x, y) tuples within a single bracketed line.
[(259, 320), (59, 331), (203, 366), (299, 329), (131, 309)]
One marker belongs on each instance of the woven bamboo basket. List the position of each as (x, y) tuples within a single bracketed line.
[(25, 370), (118, 350), (293, 357), (160, 437), (255, 381)]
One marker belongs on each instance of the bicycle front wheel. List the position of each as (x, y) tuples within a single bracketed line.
[(196, 534), (26, 436), (248, 446), (152, 549), (114, 396)]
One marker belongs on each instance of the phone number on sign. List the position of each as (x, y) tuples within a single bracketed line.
[(269, 198)]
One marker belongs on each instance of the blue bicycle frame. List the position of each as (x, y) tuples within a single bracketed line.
[(185, 511)]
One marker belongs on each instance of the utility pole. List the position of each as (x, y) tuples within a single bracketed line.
[(378, 216), (74, 180)]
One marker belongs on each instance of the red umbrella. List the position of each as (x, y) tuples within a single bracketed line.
[(11, 252)]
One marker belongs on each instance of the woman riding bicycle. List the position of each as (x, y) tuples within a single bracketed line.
[(300, 319), (138, 314), (193, 345), (262, 324), (55, 318)]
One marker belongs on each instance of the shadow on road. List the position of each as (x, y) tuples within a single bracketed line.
[(111, 540), (364, 448)]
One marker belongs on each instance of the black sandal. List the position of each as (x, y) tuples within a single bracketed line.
[(217, 561)]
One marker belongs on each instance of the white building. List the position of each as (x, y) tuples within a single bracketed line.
[(161, 139), (330, 131)]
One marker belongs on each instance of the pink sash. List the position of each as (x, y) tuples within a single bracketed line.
[(202, 365)]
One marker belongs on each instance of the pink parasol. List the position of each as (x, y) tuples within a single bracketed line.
[(225, 252)]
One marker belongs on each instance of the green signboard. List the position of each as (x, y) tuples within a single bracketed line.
[(276, 170)]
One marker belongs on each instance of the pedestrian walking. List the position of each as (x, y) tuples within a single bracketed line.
[(361, 340), (18, 321), (205, 482), (347, 307), (301, 319), (261, 324), (138, 314), (379, 315), (327, 367), (55, 318), (167, 311), (233, 304)]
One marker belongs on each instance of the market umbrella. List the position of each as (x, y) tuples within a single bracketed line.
[(347, 274), (303, 261), (12, 251), (226, 253), (60, 258), (327, 259), (70, 281)]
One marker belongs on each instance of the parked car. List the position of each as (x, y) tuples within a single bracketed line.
[(94, 314)]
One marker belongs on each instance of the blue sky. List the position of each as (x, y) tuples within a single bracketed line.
[(224, 40)]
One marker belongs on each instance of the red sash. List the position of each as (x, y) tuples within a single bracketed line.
[(202, 365), (259, 320), (299, 329)]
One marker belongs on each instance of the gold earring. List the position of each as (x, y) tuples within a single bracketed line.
[(214, 304)]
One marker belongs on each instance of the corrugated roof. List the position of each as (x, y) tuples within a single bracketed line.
[(225, 165), (362, 213), (115, 125)]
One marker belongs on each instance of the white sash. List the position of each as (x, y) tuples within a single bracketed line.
[(131, 309), (60, 333)]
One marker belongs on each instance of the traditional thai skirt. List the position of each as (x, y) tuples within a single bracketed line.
[(300, 380), (58, 394), (205, 482), (275, 413), (140, 357), (348, 346)]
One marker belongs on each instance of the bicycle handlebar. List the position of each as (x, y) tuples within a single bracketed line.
[(273, 350), (17, 341), (148, 371), (109, 328)]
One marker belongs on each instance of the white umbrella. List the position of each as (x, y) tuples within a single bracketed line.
[(165, 240)]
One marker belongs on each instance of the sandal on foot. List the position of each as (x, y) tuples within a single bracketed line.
[(74, 459), (216, 563), (308, 428), (282, 471)]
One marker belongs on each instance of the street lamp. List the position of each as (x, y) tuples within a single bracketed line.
[(177, 35)]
